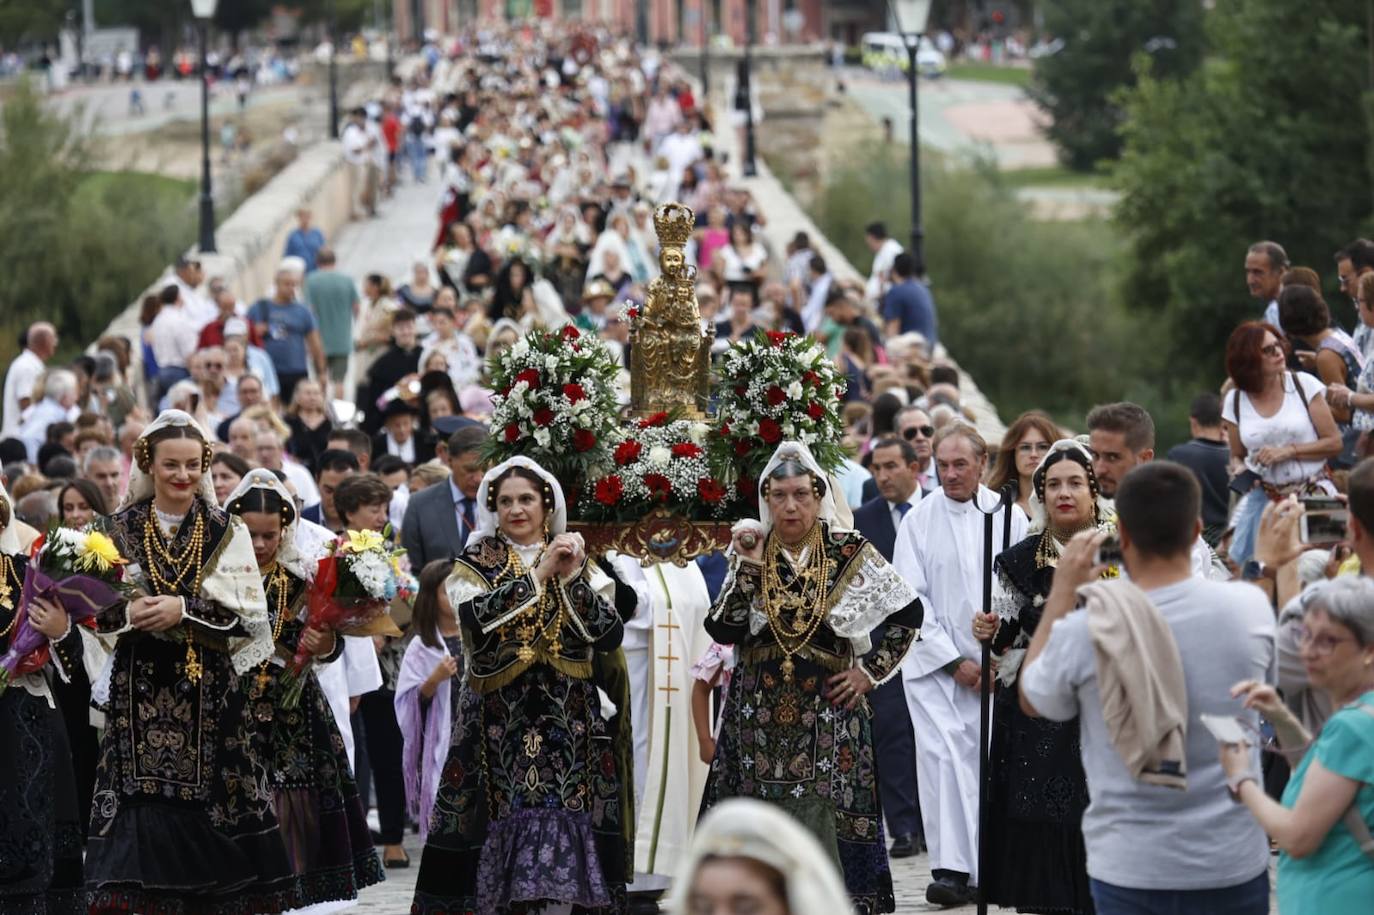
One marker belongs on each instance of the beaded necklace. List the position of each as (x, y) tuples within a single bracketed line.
[(807, 605), (279, 579), (193, 557), (544, 623), (6, 592)]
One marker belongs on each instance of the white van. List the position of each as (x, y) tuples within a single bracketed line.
[(886, 50)]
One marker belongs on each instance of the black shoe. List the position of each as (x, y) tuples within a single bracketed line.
[(396, 864), (948, 892), (904, 846), (643, 903)]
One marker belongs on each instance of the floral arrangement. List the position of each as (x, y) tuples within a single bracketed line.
[(353, 588), (555, 402), (80, 570), (776, 387), (658, 462)]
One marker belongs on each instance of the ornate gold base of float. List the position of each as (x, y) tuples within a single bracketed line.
[(657, 537)]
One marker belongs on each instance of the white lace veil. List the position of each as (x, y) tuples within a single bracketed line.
[(486, 518), (762, 832), (289, 555), (799, 453), (141, 482), (9, 537)]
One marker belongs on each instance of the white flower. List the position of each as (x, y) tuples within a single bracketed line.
[(794, 390), (698, 433), (519, 349), (541, 437), (551, 364), (659, 456)]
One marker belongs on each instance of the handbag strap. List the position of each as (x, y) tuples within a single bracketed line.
[(1353, 819)]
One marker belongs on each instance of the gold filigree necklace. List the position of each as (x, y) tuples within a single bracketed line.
[(155, 545), (279, 579), (541, 622), (793, 631)]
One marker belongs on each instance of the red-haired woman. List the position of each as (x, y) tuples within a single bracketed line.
[(1024, 446), (1278, 424)]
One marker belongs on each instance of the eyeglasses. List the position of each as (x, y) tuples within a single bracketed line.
[(1320, 645), (1033, 448), (1272, 349), (910, 432)]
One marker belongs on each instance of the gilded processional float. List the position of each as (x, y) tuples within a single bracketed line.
[(665, 478)]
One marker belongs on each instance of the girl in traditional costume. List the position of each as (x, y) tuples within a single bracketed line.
[(40, 824), (322, 818), (801, 603), (528, 814), (182, 816), (1037, 861)]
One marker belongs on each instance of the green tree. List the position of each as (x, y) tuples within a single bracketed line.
[(77, 246), (1076, 85), (31, 20), (1268, 140)]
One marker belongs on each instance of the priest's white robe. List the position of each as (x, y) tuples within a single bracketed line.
[(939, 551), (661, 644)]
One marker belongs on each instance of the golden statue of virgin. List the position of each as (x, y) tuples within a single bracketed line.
[(670, 356)]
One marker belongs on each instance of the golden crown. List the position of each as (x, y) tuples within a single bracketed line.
[(674, 223)]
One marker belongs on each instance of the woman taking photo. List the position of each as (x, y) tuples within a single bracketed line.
[(41, 831), (79, 502), (744, 261), (322, 818), (528, 810), (1329, 800), (1037, 861), (178, 822), (1279, 426), (1024, 446)]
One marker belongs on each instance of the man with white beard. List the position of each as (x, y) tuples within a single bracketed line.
[(940, 552)]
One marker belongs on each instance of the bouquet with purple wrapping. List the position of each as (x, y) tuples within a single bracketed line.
[(80, 571)]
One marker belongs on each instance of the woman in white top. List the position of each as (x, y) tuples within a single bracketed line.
[(744, 261), (1278, 424)]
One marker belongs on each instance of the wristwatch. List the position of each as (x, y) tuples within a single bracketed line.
[(1254, 570), (1233, 783)]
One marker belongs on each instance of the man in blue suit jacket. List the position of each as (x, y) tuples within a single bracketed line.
[(895, 466)]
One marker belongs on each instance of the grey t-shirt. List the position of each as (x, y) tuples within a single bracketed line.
[(1150, 837)]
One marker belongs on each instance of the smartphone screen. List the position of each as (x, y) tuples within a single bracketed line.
[(1323, 527)]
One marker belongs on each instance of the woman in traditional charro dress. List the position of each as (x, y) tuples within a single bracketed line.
[(817, 618), (182, 817), (40, 826), (322, 818), (528, 814)]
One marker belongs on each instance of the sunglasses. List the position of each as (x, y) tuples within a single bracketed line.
[(910, 432)]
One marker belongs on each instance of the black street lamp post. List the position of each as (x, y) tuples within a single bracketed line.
[(745, 93), (333, 75), (911, 16), (204, 10)]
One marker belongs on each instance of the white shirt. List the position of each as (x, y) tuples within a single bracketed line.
[(173, 336), (19, 381), (464, 365), (1291, 425), (303, 481), (939, 551), (355, 145), (198, 308), (405, 452), (882, 264), (681, 150), (894, 508)]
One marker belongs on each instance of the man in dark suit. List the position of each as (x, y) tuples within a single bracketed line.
[(440, 517), (895, 466)]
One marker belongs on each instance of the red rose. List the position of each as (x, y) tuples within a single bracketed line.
[(724, 430), (530, 377), (574, 392), (839, 393), (660, 487), (686, 450), (657, 419), (627, 452), (632, 313), (570, 332), (512, 432), (584, 440), (743, 446), (777, 337), (710, 490), (748, 488), (609, 490), (740, 390), (815, 410), (775, 395), (770, 431), (810, 377), (543, 416)]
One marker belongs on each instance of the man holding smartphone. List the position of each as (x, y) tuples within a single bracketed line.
[(1152, 848)]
